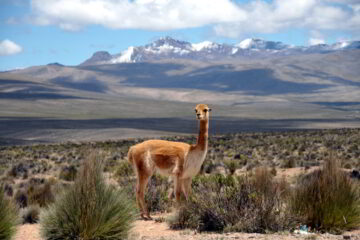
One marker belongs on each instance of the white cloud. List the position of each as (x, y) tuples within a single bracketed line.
[(140, 14), (229, 19), (8, 47), (279, 15), (316, 41)]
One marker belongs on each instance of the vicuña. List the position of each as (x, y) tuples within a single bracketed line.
[(176, 159)]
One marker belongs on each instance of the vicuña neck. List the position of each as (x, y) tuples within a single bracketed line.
[(202, 140)]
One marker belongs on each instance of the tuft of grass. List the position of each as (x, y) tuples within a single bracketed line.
[(327, 199), (89, 209), (8, 217)]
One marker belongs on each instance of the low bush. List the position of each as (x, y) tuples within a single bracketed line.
[(232, 165), (327, 199), (21, 198), (68, 173), (124, 169), (156, 196), (89, 209), (30, 214), (236, 204), (41, 194), (157, 190), (8, 216)]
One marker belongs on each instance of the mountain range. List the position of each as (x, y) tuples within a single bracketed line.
[(151, 90), (169, 48)]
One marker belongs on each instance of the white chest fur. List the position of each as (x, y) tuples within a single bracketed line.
[(193, 163)]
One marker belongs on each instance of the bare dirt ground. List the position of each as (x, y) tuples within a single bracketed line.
[(154, 230)]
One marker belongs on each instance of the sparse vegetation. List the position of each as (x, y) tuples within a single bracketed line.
[(8, 216), (89, 209), (34, 176)]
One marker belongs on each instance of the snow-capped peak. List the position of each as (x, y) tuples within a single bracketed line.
[(256, 44), (200, 46), (125, 57), (341, 45), (245, 44)]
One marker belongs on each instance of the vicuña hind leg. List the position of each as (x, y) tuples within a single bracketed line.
[(143, 177), (140, 196)]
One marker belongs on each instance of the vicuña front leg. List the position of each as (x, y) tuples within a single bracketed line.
[(177, 189), (186, 187)]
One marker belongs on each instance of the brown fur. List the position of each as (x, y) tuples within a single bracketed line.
[(169, 158)]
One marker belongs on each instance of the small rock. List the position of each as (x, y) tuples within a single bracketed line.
[(346, 237)]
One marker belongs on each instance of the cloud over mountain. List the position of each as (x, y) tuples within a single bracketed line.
[(228, 18), (8, 47)]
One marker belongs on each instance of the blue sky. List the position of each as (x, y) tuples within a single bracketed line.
[(38, 32)]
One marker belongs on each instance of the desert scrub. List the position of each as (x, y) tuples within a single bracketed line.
[(327, 199), (8, 216), (89, 209), (231, 203)]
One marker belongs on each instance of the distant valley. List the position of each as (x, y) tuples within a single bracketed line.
[(152, 91)]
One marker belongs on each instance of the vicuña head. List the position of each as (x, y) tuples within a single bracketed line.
[(178, 160), (202, 111)]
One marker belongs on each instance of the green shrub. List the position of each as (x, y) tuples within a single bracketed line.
[(235, 204), (8, 217), (89, 209), (327, 199), (232, 165)]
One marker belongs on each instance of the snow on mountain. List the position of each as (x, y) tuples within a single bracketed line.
[(204, 45), (125, 57), (340, 45), (253, 43), (169, 48), (246, 44)]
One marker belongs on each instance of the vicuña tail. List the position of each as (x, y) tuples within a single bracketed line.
[(130, 157)]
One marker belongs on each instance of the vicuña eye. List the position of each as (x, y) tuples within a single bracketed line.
[(205, 110)]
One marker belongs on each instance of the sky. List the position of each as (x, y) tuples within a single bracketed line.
[(38, 32)]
